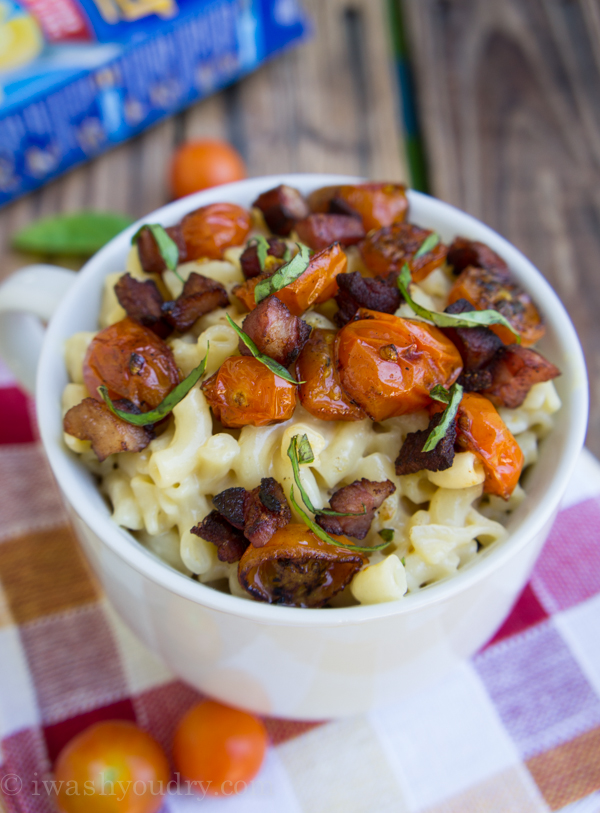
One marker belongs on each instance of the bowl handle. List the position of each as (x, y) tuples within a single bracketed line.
[(28, 298)]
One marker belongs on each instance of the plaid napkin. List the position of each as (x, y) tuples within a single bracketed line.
[(515, 729)]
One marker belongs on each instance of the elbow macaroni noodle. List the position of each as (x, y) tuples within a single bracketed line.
[(439, 520)]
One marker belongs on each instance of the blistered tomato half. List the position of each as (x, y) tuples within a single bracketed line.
[(132, 362), (321, 393), (244, 392), (388, 365), (378, 204), (208, 231)]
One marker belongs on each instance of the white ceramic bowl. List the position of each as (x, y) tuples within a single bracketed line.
[(284, 661)]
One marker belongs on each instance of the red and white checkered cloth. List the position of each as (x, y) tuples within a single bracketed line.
[(515, 729)]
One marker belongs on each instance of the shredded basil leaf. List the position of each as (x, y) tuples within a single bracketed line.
[(262, 249), (167, 247), (469, 319), (272, 365), (318, 531), (300, 451), (387, 534), (428, 244), (285, 275), (403, 560), (440, 393), (164, 408), (448, 415)]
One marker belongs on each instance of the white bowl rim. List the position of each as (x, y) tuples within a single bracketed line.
[(149, 565)]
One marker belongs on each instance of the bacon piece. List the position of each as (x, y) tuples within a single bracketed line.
[(230, 504), (265, 511), (151, 259), (282, 207), (352, 498), (475, 380), (249, 258), (514, 370), (92, 420), (230, 542), (476, 345), (142, 301), (412, 458), (200, 295), (319, 231), (259, 513), (463, 252), (356, 291), (275, 331)]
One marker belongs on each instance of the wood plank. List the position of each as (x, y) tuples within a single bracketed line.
[(508, 100)]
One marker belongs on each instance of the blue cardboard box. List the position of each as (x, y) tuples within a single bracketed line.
[(79, 76)]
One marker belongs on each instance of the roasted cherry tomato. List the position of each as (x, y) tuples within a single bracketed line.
[(377, 204), (295, 567), (208, 231), (244, 392), (111, 767), (388, 365), (132, 362), (317, 284), (219, 748), (321, 393), (198, 165), (386, 251), (481, 430), (489, 288)]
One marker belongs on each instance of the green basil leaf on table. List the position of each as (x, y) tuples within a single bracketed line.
[(77, 233)]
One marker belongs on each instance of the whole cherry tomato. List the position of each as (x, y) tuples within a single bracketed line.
[(386, 250), (219, 748), (321, 393), (111, 767), (132, 362), (198, 165), (493, 288), (378, 204), (317, 284), (388, 365), (208, 231), (482, 431), (244, 392)]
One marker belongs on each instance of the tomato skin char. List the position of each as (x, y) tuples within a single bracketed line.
[(388, 365)]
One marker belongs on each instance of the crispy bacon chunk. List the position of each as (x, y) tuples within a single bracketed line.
[(476, 345), (514, 370), (143, 302), (231, 543), (356, 291), (200, 295), (92, 420), (319, 231), (258, 513), (463, 253), (249, 257), (275, 331), (151, 259), (412, 458), (282, 207), (475, 380), (359, 495), (297, 568)]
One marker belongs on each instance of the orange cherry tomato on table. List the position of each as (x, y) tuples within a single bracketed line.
[(201, 164), (378, 204), (386, 250), (112, 767), (321, 394), (208, 231), (493, 289), (317, 284), (481, 430), (389, 365), (132, 362), (219, 748), (244, 392)]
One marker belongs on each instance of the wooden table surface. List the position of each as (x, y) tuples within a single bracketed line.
[(508, 95)]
